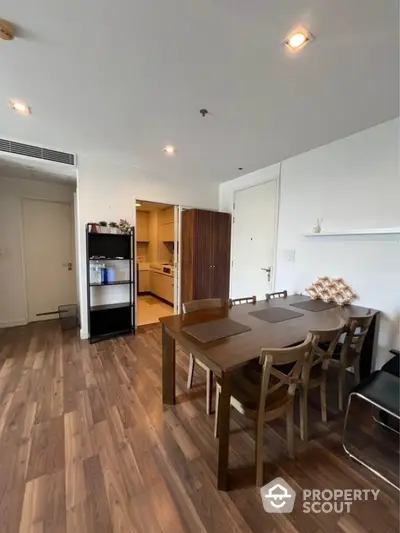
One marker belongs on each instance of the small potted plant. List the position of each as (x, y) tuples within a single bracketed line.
[(124, 226), (113, 227), (103, 226)]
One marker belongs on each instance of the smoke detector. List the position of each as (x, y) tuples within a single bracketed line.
[(6, 30)]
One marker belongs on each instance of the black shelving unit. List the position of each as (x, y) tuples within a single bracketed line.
[(110, 320)]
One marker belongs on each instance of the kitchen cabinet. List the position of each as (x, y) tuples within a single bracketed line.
[(205, 255), (167, 225), (167, 232), (142, 226), (144, 281), (162, 285)]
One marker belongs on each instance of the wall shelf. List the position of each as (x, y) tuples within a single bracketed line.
[(123, 282), (109, 259), (377, 231), (107, 307)]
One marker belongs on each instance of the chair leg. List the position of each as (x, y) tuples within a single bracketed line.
[(217, 393), (209, 391), (290, 430), (190, 371), (356, 368), (324, 412), (304, 414), (259, 451), (345, 423), (352, 456), (342, 386)]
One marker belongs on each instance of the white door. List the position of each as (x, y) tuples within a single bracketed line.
[(49, 257), (254, 241)]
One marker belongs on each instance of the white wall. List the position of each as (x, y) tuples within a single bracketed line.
[(353, 183), (13, 304), (107, 191)]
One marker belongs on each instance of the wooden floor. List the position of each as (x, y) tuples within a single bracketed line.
[(85, 447)]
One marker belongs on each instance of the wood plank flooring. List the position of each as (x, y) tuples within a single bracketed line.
[(86, 447)]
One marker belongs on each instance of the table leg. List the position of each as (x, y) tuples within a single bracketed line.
[(224, 408), (168, 368)]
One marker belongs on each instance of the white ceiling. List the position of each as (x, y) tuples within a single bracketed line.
[(35, 169), (122, 79)]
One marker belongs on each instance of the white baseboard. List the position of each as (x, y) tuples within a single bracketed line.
[(13, 323)]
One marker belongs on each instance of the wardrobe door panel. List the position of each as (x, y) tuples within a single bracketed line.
[(203, 255), (221, 255)]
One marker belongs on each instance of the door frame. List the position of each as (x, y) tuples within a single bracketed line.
[(178, 208), (277, 179), (73, 235)]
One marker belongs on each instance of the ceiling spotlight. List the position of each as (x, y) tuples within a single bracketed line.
[(19, 107), (298, 39), (138, 204), (170, 150)]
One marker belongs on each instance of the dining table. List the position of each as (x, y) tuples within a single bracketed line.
[(226, 355)]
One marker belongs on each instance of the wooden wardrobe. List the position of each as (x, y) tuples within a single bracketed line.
[(205, 255)]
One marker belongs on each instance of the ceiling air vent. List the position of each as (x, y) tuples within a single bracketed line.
[(37, 152)]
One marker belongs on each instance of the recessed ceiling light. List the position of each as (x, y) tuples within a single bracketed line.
[(138, 204), (298, 39), (19, 107), (169, 150)]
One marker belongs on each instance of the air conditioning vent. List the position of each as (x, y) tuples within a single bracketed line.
[(37, 152)]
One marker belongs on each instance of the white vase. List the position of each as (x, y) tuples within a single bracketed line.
[(114, 231), (104, 229)]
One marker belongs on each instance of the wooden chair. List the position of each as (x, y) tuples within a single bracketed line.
[(273, 295), (238, 301), (348, 354), (315, 372), (190, 307), (271, 396)]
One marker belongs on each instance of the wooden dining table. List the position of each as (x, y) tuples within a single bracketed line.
[(226, 355)]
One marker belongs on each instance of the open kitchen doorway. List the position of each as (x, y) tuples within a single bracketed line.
[(157, 269)]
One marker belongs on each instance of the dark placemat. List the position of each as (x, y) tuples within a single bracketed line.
[(275, 314), (215, 330), (315, 305)]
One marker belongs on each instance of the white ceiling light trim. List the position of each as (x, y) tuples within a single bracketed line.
[(169, 149), (19, 107), (296, 40)]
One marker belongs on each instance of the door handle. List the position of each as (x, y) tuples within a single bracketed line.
[(268, 271)]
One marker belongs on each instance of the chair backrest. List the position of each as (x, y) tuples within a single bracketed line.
[(238, 301), (326, 342), (201, 305), (357, 329), (272, 295), (272, 359)]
